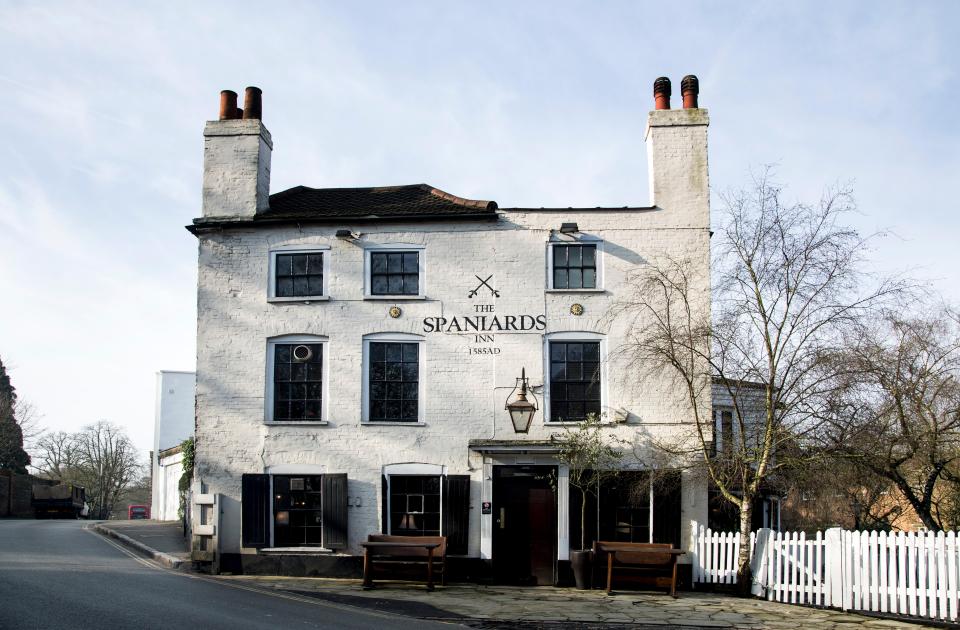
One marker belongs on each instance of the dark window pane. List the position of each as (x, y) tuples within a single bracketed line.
[(560, 256), (284, 263), (558, 352), (314, 391), (589, 279), (378, 390), (315, 263), (411, 262), (312, 410), (393, 391), (377, 410), (591, 371), (394, 352), (296, 409), (377, 351), (560, 279), (574, 352), (283, 354), (298, 391), (395, 263), (392, 408), (558, 411), (409, 410), (314, 372), (300, 286), (380, 285), (575, 279), (316, 285), (408, 372), (395, 285), (378, 263), (411, 283), (410, 353), (591, 352), (575, 391), (573, 256), (575, 411), (558, 371), (285, 287), (393, 372), (589, 255), (410, 391), (299, 264), (377, 371), (298, 371), (281, 410), (282, 372)]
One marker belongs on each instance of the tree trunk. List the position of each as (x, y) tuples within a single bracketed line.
[(583, 519), (744, 572)]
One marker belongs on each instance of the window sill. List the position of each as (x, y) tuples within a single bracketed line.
[(296, 423), (303, 299), (368, 423), (300, 551), (394, 298), (575, 291)]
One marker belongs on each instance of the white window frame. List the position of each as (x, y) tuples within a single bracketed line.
[(389, 337), (393, 248), (413, 470), (582, 240), (268, 384), (604, 377), (298, 249)]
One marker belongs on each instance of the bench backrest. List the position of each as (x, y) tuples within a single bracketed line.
[(637, 553), (439, 552)]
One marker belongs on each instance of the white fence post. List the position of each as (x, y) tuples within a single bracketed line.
[(833, 557), (758, 561)]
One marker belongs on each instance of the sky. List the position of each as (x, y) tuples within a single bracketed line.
[(525, 103)]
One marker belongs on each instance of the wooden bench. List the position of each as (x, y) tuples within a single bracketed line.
[(648, 562), (382, 551)]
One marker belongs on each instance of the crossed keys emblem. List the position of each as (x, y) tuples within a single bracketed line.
[(483, 283)]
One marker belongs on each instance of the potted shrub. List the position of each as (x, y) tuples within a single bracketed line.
[(592, 458)]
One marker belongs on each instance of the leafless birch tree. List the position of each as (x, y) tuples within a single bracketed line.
[(788, 286)]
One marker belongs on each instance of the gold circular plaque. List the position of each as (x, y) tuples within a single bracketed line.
[(395, 312), (576, 309)]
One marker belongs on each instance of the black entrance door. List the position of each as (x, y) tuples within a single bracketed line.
[(524, 525)]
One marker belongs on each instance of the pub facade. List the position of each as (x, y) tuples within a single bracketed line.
[(358, 348)]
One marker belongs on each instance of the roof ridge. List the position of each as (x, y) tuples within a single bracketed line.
[(469, 203)]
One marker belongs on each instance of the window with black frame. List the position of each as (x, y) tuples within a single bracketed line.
[(574, 380), (574, 266), (297, 382), (625, 507), (298, 275), (395, 273), (414, 505), (297, 511), (394, 382)]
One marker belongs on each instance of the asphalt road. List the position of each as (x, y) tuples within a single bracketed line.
[(56, 574)]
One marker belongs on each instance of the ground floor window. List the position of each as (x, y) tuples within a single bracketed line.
[(297, 511), (632, 506), (428, 505), (414, 505)]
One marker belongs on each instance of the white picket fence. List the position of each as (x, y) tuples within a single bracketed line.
[(905, 573)]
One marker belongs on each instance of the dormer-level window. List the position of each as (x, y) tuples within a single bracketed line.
[(574, 266), (394, 271), (298, 274)]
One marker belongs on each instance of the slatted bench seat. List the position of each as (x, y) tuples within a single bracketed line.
[(382, 552), (651, 563)]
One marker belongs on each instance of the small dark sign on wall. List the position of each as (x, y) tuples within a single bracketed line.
[(486, 508)]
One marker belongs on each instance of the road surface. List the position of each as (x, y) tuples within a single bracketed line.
[(56, 574)]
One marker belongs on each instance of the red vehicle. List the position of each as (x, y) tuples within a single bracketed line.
[(138, 512)]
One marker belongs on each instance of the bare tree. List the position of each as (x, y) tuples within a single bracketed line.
[(896, 409), (787, 286), (100, 457)]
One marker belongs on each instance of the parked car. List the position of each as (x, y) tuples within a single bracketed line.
[(138, 512)]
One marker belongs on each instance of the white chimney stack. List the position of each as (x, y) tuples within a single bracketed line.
[(236, 159), (677, 154)]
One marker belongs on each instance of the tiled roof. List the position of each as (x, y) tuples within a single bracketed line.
[(416, 200)]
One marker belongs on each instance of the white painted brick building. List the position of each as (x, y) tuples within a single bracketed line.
[(417, 311)]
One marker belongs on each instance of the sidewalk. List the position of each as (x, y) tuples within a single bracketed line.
[(504, 607), (161, 540), (548, 607)]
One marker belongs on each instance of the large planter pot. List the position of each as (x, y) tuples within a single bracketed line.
[(581, 564)]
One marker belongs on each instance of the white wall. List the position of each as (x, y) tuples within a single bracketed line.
[(166, 495), (173, 422)]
